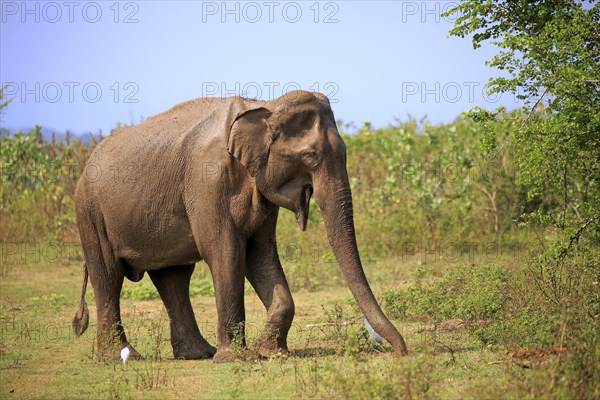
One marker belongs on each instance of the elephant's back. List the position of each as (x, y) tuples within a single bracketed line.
[(163, 138), (169, 124)]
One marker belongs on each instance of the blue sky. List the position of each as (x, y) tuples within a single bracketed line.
[(84, 66)]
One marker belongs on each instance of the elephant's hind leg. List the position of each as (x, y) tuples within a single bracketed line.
[(106, 276), (173, 284), (111, 334)]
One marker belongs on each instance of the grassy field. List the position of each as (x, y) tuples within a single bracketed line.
[(331, 355)]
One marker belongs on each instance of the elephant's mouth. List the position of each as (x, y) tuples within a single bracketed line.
[(304, 203)]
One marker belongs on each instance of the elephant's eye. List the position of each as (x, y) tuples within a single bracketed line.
[(311, 158)]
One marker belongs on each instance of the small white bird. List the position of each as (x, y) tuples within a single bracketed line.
[(125, 354), (374, 335)]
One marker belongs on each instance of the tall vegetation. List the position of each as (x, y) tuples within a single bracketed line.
[(550, 53)]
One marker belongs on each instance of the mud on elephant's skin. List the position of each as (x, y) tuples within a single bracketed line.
[(205, 181)]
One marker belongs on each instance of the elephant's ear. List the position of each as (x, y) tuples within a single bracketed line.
[(250, 138)]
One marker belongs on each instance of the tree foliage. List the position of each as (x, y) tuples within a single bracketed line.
[(550, 59)]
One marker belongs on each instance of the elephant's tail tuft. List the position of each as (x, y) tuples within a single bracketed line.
[(82, 317)]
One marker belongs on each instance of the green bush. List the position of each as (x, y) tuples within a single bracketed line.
[(525, 328), (201, 287), (472, 293), (144, 290), (395, 303)]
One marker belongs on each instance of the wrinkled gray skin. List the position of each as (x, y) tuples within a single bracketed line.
[(204, 181)]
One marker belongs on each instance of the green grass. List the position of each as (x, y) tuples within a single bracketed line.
[(40, 358)]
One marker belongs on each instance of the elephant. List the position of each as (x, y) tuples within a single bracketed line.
[(205, 181)]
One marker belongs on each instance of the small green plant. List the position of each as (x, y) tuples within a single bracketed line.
[(150, 375), (160, 342), (117, 383), (337, 324), (345, 330), (239, 347)]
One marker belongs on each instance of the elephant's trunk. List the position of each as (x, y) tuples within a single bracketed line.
[(335, 201)]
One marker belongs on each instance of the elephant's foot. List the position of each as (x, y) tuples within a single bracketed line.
[(223, 355), (271, 351), (202, 352), (271, 346)]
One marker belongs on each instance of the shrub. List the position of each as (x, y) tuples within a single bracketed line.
[(472, 293), (144, 290)]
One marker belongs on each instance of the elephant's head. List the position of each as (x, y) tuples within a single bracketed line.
[(292, 147)]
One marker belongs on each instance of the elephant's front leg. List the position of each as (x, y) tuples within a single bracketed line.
[(265, 273), (226, 259)]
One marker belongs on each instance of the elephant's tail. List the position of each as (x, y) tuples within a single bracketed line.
[(82, 317)]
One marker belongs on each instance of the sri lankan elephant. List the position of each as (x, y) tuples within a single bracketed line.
[(205, 181)]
